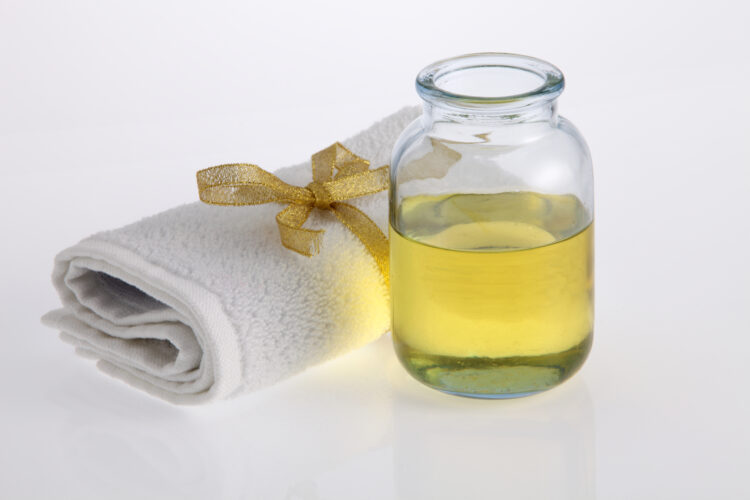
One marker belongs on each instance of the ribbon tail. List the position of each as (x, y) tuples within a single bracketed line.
[(368, 233), (295, 237)]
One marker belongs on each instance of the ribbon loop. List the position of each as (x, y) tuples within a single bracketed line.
[(247, 184)]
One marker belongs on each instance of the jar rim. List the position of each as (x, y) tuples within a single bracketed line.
[(550, 80)]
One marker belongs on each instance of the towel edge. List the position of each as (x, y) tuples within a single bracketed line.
[(223, 348)]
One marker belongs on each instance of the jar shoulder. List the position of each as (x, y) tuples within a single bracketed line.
[(560, 137), (571, 133), (413, 133), (547, 156)]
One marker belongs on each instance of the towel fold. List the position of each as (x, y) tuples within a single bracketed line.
[(202, 302)]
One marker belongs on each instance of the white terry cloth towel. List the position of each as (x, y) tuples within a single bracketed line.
[(202, 302)]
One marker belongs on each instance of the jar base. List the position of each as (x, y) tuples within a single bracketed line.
[(487, 396), (493, 378)]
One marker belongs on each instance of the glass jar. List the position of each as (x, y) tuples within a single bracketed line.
[(491, 211)]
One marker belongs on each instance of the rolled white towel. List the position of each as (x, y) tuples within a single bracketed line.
[(202, 302)]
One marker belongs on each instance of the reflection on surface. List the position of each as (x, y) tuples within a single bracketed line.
[(536, 447), (358, 427), (321, 435)]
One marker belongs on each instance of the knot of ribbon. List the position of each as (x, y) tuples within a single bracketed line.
[(247, 184)]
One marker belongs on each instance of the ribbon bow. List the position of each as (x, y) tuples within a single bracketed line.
[(247, 184)]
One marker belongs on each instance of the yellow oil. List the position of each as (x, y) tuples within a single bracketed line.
[(492, 293)]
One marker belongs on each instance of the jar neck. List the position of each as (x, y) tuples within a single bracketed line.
[(545, 111)]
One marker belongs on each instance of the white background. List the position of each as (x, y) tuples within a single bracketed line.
[(108, 108)]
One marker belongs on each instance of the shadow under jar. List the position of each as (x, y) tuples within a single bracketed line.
[(491, 212)]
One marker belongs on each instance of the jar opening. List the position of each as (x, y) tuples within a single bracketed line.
[(490, 79)]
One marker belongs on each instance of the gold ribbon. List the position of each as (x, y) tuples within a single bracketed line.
[(247, 184)]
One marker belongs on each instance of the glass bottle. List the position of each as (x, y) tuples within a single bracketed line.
[(491, 211)]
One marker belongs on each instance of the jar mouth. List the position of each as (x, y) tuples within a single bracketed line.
[(490, 79)]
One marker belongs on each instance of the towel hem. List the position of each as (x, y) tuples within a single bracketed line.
[(222, 347)]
